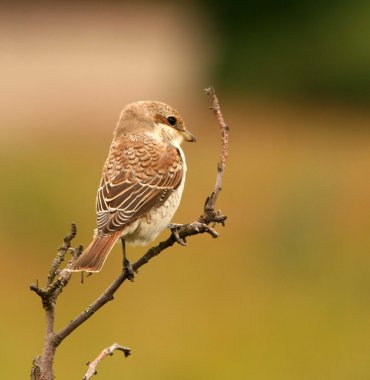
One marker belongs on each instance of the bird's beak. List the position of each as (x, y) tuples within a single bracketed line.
[(188, 136)]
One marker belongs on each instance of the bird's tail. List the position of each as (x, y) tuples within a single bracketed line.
[(94, 256)]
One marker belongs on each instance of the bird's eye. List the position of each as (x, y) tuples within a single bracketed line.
[(172, 120)]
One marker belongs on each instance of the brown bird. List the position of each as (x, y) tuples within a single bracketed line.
[(142, 181)]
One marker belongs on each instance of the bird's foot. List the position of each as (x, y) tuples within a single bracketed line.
[(127, 267), (174, 227)]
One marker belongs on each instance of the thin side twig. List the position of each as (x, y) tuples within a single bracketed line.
[(224, 128), (62, 250), (91, 371)]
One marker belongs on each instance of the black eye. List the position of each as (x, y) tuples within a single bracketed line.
[(172, 120)]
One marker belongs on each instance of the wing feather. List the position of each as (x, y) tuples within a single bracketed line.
[(139, 174)]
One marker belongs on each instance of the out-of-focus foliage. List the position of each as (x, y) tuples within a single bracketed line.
[(294, 47)]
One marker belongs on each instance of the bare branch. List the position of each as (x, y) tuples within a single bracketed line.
[(183, 231), (58, 279), (62, 250), (209, 207), (91, 371)]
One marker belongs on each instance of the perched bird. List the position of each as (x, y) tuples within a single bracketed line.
[(142, 181)]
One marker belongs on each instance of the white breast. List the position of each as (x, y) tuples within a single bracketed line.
[(146, 229)]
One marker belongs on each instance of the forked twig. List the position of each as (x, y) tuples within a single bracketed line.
[(91, 371)]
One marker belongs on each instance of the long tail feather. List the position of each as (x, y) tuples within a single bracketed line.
[(94, 256)]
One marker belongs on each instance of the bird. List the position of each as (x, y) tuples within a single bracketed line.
[(142, 182)]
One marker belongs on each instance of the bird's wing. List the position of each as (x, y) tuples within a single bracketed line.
[(139, 174)]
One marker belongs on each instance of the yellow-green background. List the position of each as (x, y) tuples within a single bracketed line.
[(284, 292)]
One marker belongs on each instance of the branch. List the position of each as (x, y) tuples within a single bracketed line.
[(215, 107), (58, 279), (179, 233), (91, 371)]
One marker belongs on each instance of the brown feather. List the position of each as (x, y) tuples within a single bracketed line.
[(94, 256), (144, 167), (140, 174)]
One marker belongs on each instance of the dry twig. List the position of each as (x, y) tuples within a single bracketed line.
[(215, 107), (42, 368), (91, 371)]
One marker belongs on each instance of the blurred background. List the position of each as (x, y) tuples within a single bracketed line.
[(284, 292)]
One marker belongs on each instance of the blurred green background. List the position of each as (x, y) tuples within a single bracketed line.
[(284, 292)]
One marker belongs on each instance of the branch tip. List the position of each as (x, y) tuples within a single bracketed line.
[(210, 90), (92, 366)]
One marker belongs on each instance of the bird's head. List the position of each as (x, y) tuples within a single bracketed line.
[(157, 119)]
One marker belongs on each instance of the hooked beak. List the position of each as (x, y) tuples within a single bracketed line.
[(188, 136)]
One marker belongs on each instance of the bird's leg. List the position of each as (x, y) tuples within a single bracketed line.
[(126, 263), (174, 227)]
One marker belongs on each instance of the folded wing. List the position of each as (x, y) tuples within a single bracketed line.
[(139, 174)]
